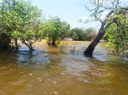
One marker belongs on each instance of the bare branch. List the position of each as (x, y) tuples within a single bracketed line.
[(117, 4), (89, 9), (109, 14)]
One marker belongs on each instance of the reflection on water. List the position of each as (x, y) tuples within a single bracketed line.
[(57, 71), (38, 58)]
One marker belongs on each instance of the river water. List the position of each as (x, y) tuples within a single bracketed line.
[(61, 71)]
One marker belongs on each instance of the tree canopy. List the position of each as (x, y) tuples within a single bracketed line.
[(55, 30), (111, 9), (117, 34), (20, 20), (80, 34)]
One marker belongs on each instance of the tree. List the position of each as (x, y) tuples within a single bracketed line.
[(90, 33), (4, 41), (99, 7), (77, 34), (55, 30), (20, 20), (64, 30), (117, 34)]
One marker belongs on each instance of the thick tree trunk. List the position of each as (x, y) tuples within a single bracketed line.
[(4, 41), (53, 42), (89, 51)]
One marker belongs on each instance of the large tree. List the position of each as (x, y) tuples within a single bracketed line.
[(20, 20), (107, 8)]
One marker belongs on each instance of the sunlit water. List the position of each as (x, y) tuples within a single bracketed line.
[(58, 71)]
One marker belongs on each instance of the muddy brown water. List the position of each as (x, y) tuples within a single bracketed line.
[(58, 71)]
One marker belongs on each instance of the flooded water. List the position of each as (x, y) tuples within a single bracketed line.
[(61, 71)]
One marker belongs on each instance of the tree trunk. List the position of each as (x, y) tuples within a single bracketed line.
[(16, 45), (4, 41), (89, 51), (104, 26), (91, 47), (29, 45), (53, 42)]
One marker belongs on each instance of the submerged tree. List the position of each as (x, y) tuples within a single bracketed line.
[(4, 41), (107, 8), (55, 30), (20, 20)]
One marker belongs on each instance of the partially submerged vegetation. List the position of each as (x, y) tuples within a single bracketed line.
[(21, 21), (64, 71)]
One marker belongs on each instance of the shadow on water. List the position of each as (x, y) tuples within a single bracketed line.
[(58, 71)]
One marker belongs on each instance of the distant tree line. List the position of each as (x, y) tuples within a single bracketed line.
[(79, 34)]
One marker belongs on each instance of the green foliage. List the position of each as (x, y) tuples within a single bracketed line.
[(90, 33), (117, 33), (81, 34), (55, 30), (20, 20), (77, 34), (112, 14)]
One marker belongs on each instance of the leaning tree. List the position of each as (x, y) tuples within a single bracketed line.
[(104, 11)]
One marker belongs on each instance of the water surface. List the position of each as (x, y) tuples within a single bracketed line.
[(58, 71)]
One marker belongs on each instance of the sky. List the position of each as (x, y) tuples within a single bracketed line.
[(68, 10)]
